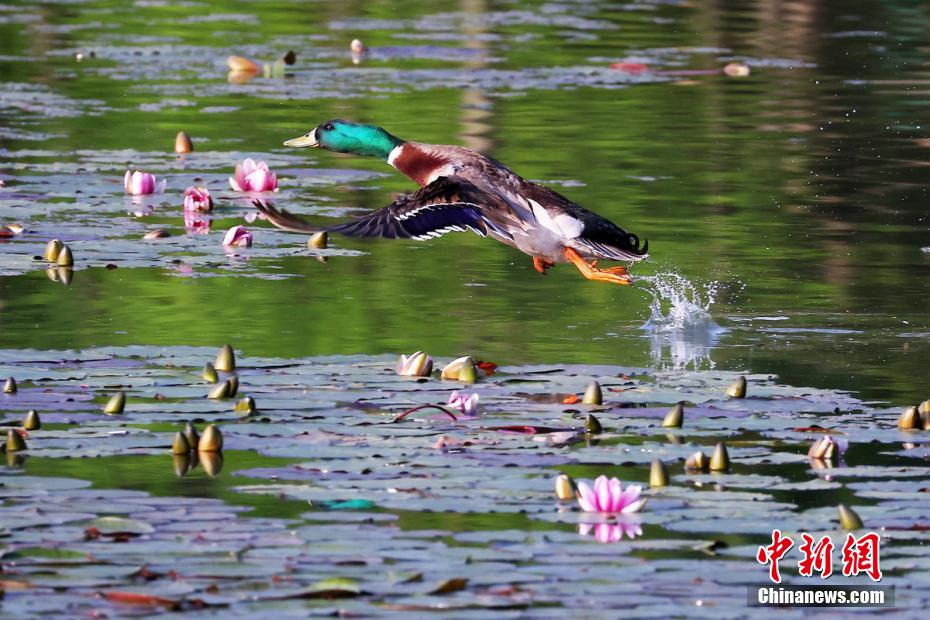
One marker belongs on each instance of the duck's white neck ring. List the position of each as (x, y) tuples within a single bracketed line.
[(394, 154)]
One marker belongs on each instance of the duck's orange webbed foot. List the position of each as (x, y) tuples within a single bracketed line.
[(541, 264), (617, 275)]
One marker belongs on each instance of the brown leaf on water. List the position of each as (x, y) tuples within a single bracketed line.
[(450, 585)]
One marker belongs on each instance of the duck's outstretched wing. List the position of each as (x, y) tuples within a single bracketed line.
[(446, 205)]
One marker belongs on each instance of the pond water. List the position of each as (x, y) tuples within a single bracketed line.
[(787, 216)]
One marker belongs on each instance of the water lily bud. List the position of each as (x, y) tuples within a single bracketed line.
[(211, 440), (209, 373), (246, 406), (818, 449), (212, 463), (243, 65), (182, 143), (658, 475), (182, 463), (233, 382), (357, 46), (180, 444), (318, 240), (190, 433), (924, 407), (65, 258), (720, 460), (926, 421), (52, 273), (14, 441), (564, 488), (697, 462), (225, 359), (158, 233), (9, 387), (737, 389), (220, 391), (32, 421), (290, 57), (65, 275), (461, 369), (736, 69), (52, 250), (592, 425), (417, 365), (675, 417), (849, 520), (593, 395), (116, 404), (910, 419)]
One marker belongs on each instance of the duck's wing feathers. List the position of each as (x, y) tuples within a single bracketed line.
[(447, 204)]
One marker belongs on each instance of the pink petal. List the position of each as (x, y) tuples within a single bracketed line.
[(160, 186), (235, 185), (630, 495), (127, 179), (602, 492), (587, 498), (257, 181), (238, 235)]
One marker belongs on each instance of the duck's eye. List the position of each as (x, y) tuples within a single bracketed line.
[(328, 127)]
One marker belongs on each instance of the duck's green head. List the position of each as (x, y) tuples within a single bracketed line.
[(345, 137)]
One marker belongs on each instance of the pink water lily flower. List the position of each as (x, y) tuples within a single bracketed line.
[(198, 199), (468, 405), (611, 532), (238, 236), (196, 223), (136, 182), (609, 496), (252, 176)]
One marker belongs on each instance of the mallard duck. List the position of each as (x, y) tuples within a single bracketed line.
[(462, 190)]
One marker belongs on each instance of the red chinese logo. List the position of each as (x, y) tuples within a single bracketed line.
[(773, 553), (860, 555)]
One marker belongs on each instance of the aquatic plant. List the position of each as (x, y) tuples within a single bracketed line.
[(238, 236), (608, 495), (198, 199), (136, 182), (467, 404), (252, 176)]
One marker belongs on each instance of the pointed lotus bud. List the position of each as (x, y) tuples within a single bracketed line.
[(182, 143), (658, 475), (65, 275), (116, 404), (910, 419), (924, 407), (243, 65), (720, 460), (593, 395), (190, 433), (468, 373), (225, 359), (211, 440), (737, 389), (849, 520), (14, 441), (209, 373), (52, 250), (675, 417), (318, 241), (180, 444), (182, 463), (454, 369), (233, 382), (564, 488), (9, 387), (65, 258), (212, 463), (417, 365), (697, 462), (246, 406), (32, 421), (592, 425), (220, 391), (925, 421)]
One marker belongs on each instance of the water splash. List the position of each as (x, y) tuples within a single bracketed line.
[(681, 330)]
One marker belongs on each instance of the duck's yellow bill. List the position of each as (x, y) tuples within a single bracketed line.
[(304, 140)]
